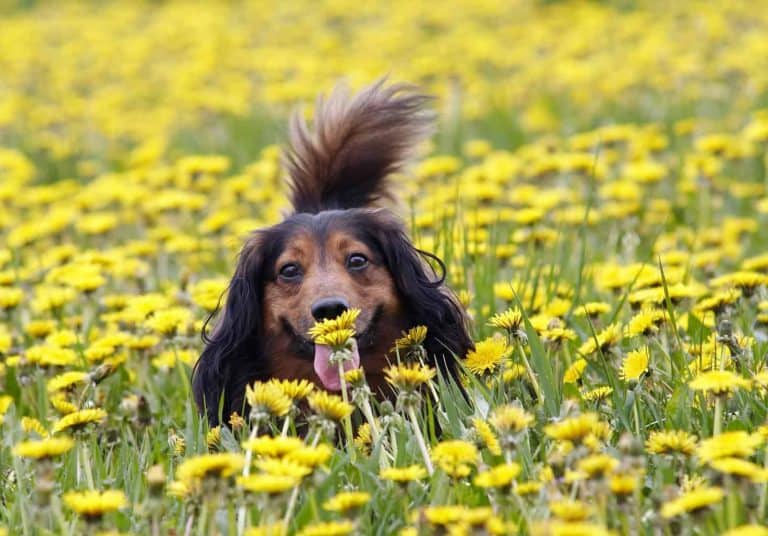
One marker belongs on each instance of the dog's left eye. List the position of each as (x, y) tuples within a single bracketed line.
[(357, 261), (290, 271)]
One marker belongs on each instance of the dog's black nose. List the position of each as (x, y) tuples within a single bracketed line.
[(329, 308)]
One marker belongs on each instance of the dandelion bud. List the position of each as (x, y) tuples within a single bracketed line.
[(101, 372)]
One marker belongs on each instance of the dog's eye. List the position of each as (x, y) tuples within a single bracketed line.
[(357, 261), (290, 271)]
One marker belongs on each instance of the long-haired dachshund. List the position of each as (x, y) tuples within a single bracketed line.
[(337, 250)]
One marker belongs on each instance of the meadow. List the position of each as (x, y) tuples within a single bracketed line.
[(597, 188)]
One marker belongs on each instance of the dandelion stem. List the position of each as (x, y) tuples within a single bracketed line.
[(202, 526), (345, 397), (365, 406), (636, 413), (286, 425), (420, 440), (295, 492), (718, 426), (531, 375), (763, 494), (189, 525), (86, 462), (241, 511)]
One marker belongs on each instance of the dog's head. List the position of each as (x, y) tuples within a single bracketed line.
[(336, 251)]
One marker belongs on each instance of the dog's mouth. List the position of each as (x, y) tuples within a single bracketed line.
[(320, 354)]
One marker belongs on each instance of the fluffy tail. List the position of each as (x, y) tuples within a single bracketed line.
[(356, 143)]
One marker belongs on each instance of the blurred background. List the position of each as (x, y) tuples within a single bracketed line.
[(90, 86)]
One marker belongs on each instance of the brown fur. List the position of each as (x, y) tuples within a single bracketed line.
[(326, 275)]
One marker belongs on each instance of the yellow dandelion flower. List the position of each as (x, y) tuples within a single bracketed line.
[(574, 429), (409, 376), (236, 421), (487, 355), (592, 309), (738, 444), (411, 339), (746, 281), (267, 399), (329, 406), (530, 487), (514, 372), (570, 510), (741, 468), (335, 339), (273, 447), (719, 382), (294, 389), (569, 528), (487, 436), (635, 364), (344, 322), (364, 438), (597, 394), (213, 437), (94, 504), (509, 419), (355, 377), (275, 529), (179, 489), (597, 465), (329, 528), (222, 465), (671, 442), (79, 419), (692, 501), (346, 501), (310, 456), (603, 341), (623, 484), (455, 457), (170, 321), (32, 425), (645, 323), (575, 371), (499, 476), (281, 467), (719, 302), (66, 380), (51, 356), (61, 404), (44, 448), (444, 515), (266, 483), (510, 320), (403, 474)]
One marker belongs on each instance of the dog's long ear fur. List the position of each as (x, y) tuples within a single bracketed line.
[(356, 143), (227, 362), (427, 300)]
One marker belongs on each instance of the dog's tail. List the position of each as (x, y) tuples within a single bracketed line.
[(357, 141)]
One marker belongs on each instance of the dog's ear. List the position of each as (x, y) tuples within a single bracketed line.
[(428, 302), (231, 356)]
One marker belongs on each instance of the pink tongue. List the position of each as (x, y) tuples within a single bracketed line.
[(329, 372)]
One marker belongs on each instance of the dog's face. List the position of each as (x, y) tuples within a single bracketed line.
[(319, 276), (324, 266), (315, 267)]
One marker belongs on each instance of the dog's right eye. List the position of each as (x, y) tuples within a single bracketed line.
[(290, 271)]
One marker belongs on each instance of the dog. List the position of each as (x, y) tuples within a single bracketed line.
[(338, 249)]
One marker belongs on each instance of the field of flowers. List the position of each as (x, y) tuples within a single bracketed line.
[(597, 189)]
